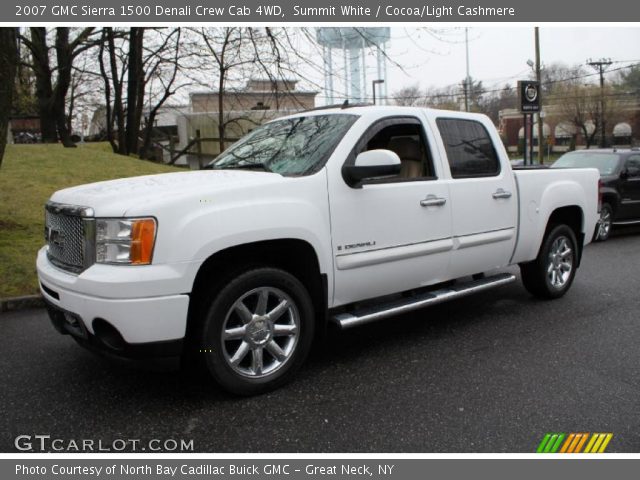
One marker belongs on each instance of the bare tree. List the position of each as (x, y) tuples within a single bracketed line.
[(53, 82), (408, 96), (229, 48), (231, 55), (8, 61), (113, 77), (558, 73), (580, 106), (129, 62), (496, 100), (162, 67)]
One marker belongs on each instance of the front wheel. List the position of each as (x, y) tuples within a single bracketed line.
[(258, 331), (551, 274)]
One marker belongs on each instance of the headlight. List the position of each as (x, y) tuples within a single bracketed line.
[(125, 241)]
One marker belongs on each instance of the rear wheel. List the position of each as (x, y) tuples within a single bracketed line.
[(604, 224), (551, 274), (258, 331)]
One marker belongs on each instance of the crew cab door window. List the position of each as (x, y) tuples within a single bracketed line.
[(633, 165), (469, 148), (405, 137)]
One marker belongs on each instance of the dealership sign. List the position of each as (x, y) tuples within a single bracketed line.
[(529, 93)]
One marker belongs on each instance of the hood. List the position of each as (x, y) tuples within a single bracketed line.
[(117, 197)]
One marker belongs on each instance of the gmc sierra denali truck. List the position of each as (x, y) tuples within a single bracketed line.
[(345, 215)]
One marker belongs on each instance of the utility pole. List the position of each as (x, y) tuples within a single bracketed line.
[(538, 77), (466, 83), (601, 67), (466, 95)]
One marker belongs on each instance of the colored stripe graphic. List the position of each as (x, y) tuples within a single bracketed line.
[(543, 443), (594, 437), (574, 443), (567, 442), (581, 443), (607, 439)]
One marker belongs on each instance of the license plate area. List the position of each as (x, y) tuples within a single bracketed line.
[(67, 322)]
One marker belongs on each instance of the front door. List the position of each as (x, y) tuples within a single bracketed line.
[(393, 234)]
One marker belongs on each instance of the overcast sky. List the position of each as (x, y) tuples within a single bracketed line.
[(436, 57)]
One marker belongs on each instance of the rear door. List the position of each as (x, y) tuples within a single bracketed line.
[(483, 196)]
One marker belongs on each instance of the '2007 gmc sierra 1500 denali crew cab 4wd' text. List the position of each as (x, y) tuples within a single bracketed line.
[(344, 215)]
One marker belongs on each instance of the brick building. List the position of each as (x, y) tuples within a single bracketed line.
[(561, 135)]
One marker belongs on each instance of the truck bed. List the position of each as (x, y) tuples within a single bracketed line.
[(543, 190)]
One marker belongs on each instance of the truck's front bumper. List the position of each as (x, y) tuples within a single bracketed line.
[(125, 325)]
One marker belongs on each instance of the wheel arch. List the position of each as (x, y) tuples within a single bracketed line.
[(573, 217), (611, 197), (296, 256)]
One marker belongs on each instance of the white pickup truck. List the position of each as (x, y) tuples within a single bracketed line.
[(344, 215)]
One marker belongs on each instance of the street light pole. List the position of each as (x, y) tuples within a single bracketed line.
[(373, 87)]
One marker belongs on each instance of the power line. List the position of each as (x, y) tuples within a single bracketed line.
[(496, 90)]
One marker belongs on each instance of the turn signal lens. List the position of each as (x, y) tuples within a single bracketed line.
[(143, 235)]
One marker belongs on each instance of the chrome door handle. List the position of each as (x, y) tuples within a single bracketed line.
[(433, 201), (501, 193)]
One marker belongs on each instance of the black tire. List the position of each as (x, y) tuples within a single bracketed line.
[(537, 276), (603, 229), (257, 372)]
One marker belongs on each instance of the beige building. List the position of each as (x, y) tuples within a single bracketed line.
[(256, 95), (243, 110)]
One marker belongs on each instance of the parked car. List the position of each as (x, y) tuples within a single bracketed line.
[(347, 215), (619, 184)]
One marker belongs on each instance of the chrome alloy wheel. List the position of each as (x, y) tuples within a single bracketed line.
[(604, 224), (560, 262), (260, 332)]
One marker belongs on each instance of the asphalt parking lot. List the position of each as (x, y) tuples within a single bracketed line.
[(492, 373)]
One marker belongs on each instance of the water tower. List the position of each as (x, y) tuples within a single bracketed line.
[(351, 44)]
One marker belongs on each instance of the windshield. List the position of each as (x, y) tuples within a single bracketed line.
[(293, 146), (606, 163)]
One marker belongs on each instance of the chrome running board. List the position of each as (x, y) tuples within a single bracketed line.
[(396, 307), (626, 222)]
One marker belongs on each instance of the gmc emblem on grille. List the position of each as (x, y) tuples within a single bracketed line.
[(56, 237)]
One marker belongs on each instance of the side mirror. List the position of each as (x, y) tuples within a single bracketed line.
[(371, 164)]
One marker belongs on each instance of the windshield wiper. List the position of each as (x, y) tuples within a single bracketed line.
[(248, 166)]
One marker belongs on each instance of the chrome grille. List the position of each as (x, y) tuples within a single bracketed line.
[(68, 234)]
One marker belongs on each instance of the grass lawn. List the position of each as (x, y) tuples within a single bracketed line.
[(28, 176)]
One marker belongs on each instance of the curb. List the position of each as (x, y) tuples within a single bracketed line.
[(21, 303)]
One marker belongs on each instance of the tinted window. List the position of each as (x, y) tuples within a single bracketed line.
[(469, 148), (633, 161)]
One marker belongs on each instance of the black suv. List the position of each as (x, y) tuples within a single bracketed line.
[(619, 184)]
